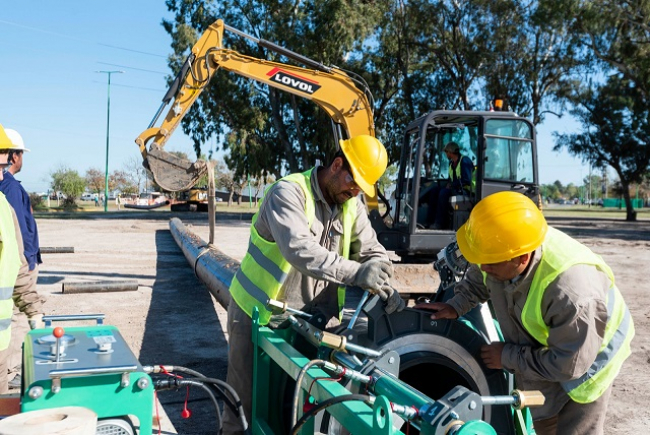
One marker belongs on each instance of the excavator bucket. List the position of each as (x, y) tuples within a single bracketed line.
[(173, 173)]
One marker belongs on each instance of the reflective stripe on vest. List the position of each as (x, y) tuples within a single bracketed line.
[(559, 253), (9, 267), (264, 270)]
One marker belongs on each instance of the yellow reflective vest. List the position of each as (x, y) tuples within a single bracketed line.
[(559, 253), (457, 171), (9, 266), (263, 269)]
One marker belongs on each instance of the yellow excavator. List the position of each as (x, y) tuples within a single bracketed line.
[(501, 145), (337, 93)]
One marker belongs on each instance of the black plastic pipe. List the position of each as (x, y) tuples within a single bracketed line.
[(213, 268)]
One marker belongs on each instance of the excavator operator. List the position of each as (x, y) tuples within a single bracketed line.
[(310, 238)]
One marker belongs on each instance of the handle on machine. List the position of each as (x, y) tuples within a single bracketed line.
[(73, 317)]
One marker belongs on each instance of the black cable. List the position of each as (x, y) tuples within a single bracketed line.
[(211, 394), (171, 382), (326, 404), (233, 402)]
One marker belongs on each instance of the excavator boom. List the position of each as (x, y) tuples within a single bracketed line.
[(330, 88)]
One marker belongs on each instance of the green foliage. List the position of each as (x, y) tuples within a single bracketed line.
[(615, 119), (70, 183), (420, 56), (36, 201), (387, 180)]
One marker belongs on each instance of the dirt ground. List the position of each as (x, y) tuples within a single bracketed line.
[(172, 319)]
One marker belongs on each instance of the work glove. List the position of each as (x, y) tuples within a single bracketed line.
[(372, 275), (393, 300), (36, 322)]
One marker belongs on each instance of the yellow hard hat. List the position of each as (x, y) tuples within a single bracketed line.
[(502, 226), (11, 139), (367, 158), (5, 142)]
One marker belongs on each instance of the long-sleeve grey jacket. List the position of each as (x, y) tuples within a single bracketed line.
[(573, 307), (314, 253)]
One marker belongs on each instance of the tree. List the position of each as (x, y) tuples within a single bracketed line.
[(122, 182), (615, 123), (95, 180), (135, 173), (532, 55), (617, 33), (70, 183)]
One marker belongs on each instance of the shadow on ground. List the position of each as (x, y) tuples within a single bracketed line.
[(602, 228), (182, 328)]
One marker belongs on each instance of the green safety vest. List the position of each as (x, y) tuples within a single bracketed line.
[(263, 269), (9, 267), (472, 188), (559, 253)]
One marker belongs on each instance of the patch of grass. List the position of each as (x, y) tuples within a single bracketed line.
[(584, 211)]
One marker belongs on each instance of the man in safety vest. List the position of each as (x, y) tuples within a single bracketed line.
[(565, 325), (310, 239), (461, 181), (14, 272), (28, 302)]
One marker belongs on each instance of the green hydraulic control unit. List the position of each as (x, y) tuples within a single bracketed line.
[(89, 366)]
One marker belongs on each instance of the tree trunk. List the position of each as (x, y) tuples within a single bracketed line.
[(630, 215)]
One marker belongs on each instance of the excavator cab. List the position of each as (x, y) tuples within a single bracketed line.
[(500, 144)]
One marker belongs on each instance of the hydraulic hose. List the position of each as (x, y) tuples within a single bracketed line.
[(233, 402), (175, 383), (296, 392), (324, 405)]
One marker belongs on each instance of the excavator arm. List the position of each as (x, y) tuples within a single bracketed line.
[(330, 88)]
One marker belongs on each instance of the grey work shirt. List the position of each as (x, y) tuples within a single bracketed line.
[(575, 311), (315, 253)]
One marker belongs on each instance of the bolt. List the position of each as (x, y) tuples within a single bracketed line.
[(143, 383), (391, 360), (472, 405), (454, 415), (35, 392), (350, 337)]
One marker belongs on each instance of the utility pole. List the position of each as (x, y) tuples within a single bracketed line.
[(108, 127)]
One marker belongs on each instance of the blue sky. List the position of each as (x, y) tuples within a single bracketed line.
[(51, 94)]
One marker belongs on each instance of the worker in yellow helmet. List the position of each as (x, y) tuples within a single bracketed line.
[(565, 325), (28, 309), (310, 239), (14, 281)]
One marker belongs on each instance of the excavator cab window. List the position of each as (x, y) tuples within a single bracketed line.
[(508, 151)]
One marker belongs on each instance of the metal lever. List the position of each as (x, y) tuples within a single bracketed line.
[(518, 399), (281, 307), (362, 302)]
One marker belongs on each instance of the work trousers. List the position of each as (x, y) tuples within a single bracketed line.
[(4, 382), (438, 212), (240, 366), (577, 419), (20, 325)]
